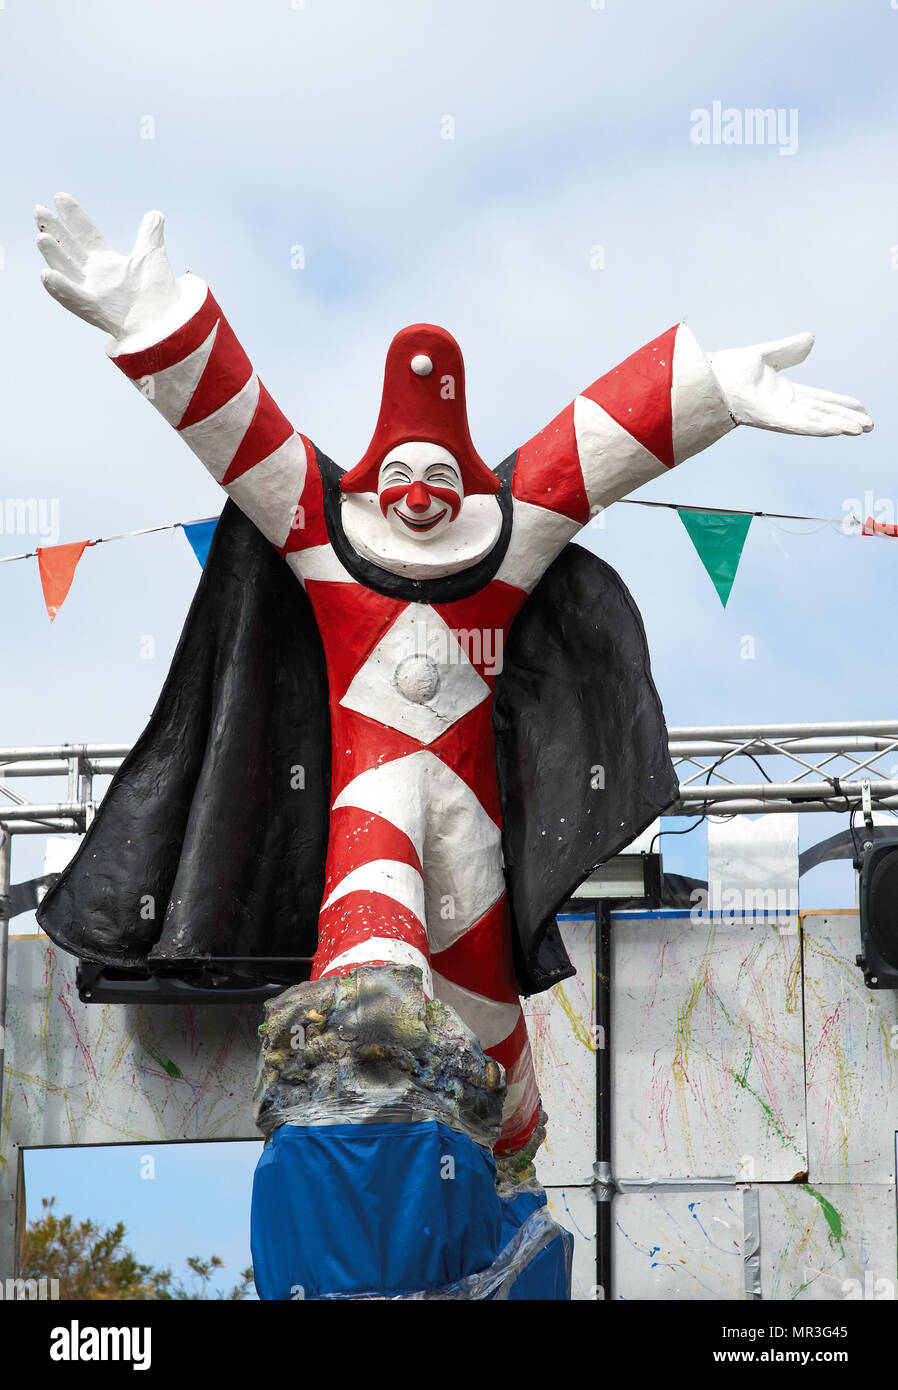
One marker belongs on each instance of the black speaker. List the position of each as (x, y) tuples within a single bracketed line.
[(878, 897)]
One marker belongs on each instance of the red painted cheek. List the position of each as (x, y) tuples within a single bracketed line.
[(449, 496), (391, 495)]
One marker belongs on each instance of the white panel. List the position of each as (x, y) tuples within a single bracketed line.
[(829, 1242), (58, 852), (708, 1050), (560, 1024), (682, 1246), (118, 1074), (753, 865), (852, 1061), (575, 1209)]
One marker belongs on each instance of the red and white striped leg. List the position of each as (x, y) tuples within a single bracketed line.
[(373, 911), (379, 910), (476, 976)]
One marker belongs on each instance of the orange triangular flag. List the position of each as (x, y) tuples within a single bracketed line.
[(57, 566)]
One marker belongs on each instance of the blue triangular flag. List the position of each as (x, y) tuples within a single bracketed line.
[(199, 534)]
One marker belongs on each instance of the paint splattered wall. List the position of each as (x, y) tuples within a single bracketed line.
[(754, 1099)]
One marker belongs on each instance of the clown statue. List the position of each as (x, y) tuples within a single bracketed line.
[(358, 729)]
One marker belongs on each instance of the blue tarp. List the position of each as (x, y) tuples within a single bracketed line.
[(389, 1210), (548, 1275)]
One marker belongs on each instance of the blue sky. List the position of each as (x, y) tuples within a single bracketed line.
[(320, 126)]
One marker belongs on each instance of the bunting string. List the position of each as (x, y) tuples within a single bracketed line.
[(119, 536), (717, 533), (839, 521)]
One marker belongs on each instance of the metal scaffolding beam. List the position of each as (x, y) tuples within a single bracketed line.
[(804, 767)]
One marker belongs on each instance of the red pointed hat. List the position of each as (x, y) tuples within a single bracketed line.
[(423, 398)]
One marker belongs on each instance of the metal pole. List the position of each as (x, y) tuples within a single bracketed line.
[(604, 1182), (31, 811), (775, 791), (764, 731), (65, 750), (5, 857), (849, 743), (100, 767), (757, 808), (44, 827)]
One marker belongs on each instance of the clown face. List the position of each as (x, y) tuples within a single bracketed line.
[(420, 490)]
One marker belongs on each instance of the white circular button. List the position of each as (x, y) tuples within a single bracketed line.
[(421, 365), (417, 678)]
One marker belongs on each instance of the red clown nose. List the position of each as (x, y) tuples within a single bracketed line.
[(423, 399), (418, 499)]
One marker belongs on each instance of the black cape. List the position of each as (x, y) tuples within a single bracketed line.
[(207, 852)]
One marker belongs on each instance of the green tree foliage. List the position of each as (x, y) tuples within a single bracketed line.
[(95, 1264)]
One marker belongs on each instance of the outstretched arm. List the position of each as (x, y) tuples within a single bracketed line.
[(663, 404), (171, 339)]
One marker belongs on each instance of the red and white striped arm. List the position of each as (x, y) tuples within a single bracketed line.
[(659, 407), (202, 382)]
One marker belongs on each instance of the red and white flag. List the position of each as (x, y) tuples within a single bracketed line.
[(878, 528)]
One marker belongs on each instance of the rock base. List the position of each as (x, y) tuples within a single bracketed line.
[(370, 1046)]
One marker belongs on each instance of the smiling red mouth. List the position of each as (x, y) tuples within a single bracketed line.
[(422, 525)]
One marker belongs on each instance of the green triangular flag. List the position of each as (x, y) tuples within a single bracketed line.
[(718, 538)]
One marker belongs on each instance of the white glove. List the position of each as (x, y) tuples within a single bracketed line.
[(758, 395), (135, 298)]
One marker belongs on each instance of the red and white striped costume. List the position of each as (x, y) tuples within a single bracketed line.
[(414, 870)]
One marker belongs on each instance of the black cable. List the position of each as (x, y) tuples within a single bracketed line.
[(752, 757), (836, 810), (857, 854), (705, 813), (688, 831)]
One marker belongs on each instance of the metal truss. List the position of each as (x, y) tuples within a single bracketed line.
[(78, 763), (793, 767), (804, 767)]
